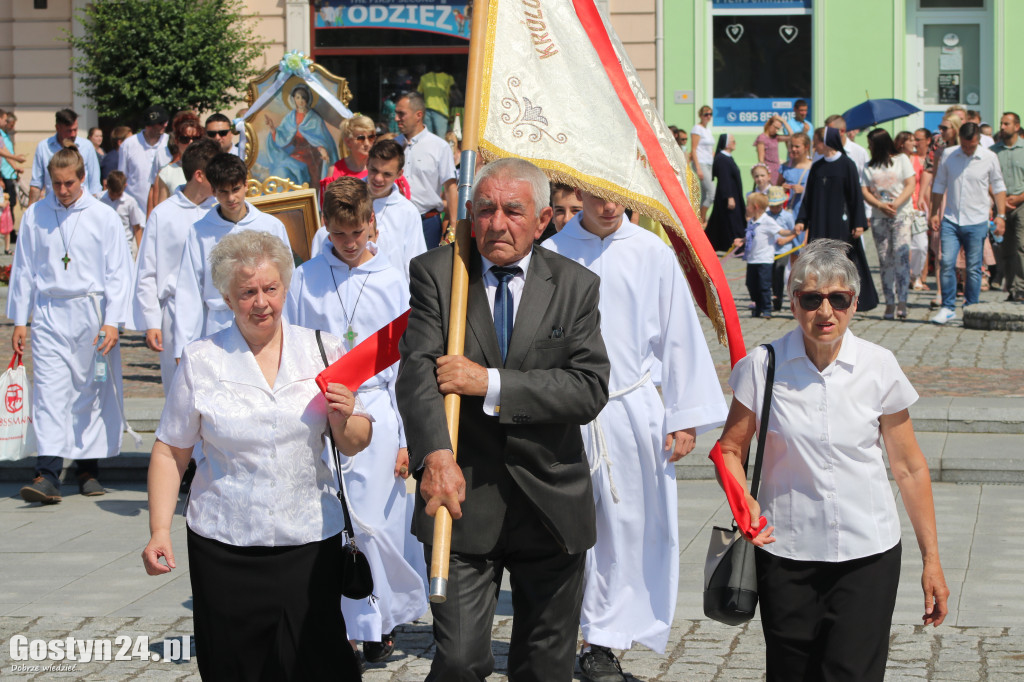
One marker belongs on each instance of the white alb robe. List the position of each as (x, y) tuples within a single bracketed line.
[(156, 274), (200, 310), (380, 506), (75, 416), (647, 315)]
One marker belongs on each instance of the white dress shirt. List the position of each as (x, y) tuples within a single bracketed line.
[(139, 161), (266, 479), (966, 181), (50, 146), (516, 285), (428, 165), (823, 481)]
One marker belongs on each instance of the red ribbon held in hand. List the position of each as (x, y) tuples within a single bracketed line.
[(369, 358), (737, 496)]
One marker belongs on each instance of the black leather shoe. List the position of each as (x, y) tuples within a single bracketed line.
[(600, 665), (375, 652)]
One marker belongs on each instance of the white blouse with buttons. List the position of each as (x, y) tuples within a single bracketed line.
[(824, 484), (266, 479)]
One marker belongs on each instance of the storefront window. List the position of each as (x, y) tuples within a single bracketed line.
[(952, 67), (762, 61)]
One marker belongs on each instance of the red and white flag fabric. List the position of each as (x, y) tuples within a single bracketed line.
[(560, 91)]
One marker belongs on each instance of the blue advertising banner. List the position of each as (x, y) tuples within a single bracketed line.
[(750, 112), (447, 17)]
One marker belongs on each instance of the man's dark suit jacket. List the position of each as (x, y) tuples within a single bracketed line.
[(555, 378)]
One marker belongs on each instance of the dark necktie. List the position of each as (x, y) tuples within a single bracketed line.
[(503, 306)]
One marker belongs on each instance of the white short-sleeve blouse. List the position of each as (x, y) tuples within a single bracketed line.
[(823, 480), (264, 480)]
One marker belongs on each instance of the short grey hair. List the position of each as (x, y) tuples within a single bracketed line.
[(828, 262), (248, 249), (517, 169), (416, 100)]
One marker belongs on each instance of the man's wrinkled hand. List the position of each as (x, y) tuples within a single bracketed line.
[(442, 483), (457, 374)]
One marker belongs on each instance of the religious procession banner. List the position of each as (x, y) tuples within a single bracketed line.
[(561, 92)]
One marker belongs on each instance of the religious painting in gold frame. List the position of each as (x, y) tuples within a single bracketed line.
[(299, 212), (271, 146)]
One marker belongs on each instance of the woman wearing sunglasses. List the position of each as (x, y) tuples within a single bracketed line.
[(357, 136), (828, 561)]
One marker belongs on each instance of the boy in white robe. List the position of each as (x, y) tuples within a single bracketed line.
[(399, 226), (647, 315), (163, 242), (200, 310), (72, 276), (351, 290)]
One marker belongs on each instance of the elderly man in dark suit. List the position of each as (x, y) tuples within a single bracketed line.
[(534, 369)]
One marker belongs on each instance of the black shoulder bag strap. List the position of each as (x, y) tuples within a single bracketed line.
[(762, 432), (337, 458)]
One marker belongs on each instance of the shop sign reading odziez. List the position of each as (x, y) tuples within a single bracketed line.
[(448, 17)]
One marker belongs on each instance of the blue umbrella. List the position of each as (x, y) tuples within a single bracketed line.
[(875, 111)]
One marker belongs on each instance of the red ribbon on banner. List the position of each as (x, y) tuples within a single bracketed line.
[(369, 358), (737, 496)]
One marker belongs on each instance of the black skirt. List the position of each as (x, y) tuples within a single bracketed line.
[(269, 613)]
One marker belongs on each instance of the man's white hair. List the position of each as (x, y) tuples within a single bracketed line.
[(517, 169)]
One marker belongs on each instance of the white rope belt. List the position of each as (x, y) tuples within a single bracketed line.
[(598, 442)]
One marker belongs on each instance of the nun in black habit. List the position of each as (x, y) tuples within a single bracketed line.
[(833, 208), (728, 214)]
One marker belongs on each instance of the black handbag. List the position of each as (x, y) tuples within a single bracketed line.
[(356, 578), (730, 574)]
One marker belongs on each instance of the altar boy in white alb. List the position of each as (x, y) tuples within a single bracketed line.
[(72, 277), (163, 242), (647, 315), (351, 290), (200, 310), (399, 226)]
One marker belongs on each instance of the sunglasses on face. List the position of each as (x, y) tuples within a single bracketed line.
[(812, 300), (364, 138), (189, 139), (707, 113), (943, 128), (218, 133)]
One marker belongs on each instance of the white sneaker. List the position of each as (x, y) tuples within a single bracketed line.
[(944, 315)]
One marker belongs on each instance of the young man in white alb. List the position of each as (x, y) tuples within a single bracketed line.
[(647, 315), (163, 242), (200, 310), (72, 277)]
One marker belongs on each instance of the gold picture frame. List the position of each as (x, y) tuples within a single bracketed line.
[(300, 213), (321, 130)]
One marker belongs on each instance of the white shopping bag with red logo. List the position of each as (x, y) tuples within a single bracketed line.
[(17, 437)]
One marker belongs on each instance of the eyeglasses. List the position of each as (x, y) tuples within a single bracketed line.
[(364, 138), (812, 300), (218, 133), (943, 128), (707, 113), (189, 139)]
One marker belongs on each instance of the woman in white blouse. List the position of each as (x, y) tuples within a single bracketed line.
[(828, 569), (263, 521)]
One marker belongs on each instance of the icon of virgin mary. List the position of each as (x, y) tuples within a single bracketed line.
[(300, 147)]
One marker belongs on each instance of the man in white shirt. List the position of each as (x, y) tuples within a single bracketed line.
[(966, 176), (399, 228), (66, 134), (163, 241), (430, 167), (143, 152)]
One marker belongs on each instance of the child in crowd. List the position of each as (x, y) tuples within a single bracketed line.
[(351, 290), (127, 209), (759, 252), (762, 178), (784, 218)]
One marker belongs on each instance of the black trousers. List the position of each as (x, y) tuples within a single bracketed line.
[(827, 621), (50, 468), (547, 595), (269, 614)]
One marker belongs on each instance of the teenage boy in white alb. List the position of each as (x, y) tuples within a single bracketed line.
[(144, 153), (163, 242), (351, 290), (647, 315), (66, 134), (200, 310), (399, 229), (72, 277)]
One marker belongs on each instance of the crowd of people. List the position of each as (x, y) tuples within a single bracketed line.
[(585, 378), (957, 220)]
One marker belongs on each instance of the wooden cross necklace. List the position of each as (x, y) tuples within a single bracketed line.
[(67, 242), (350, 334)]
